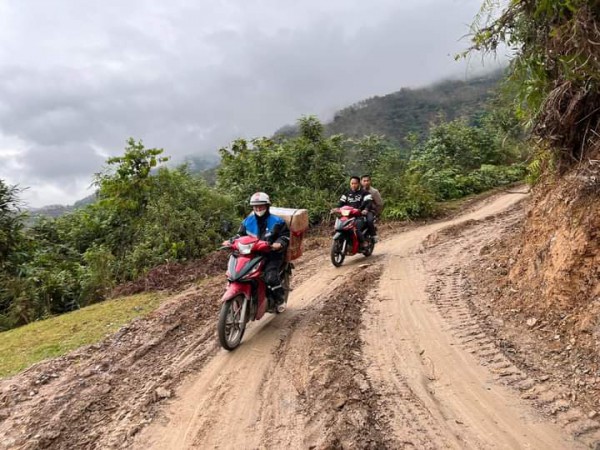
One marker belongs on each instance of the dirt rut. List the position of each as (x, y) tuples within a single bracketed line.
[(419, 361), (374, 354)]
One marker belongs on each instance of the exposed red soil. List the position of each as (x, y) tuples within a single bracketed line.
[(542, 277), (175, 276)]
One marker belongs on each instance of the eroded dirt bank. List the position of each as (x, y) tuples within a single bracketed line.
[(385, 352)]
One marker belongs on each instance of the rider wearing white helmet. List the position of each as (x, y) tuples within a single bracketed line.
[(273, 229)]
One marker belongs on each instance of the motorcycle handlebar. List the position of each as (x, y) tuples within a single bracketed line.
[(266, 247), (355, 212)]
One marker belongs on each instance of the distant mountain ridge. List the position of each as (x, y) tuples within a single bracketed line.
[(394, 115), (59, 210), (411, 110)]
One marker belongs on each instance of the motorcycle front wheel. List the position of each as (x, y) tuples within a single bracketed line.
[(337, 255), (231, 327)]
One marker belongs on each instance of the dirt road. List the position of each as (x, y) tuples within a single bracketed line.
[(408, 372), (380, 353)]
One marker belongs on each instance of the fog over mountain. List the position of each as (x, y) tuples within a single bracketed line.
[(78, 78)]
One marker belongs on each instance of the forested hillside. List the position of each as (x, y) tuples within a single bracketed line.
[(413, 110), (407, 111), (394, 116), (147, 214)]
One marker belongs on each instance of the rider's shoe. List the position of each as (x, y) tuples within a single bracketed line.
[(375, 238), (278, 297)]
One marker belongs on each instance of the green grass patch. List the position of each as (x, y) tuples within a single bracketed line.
[(24, 346)]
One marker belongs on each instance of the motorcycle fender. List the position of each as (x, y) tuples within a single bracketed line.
[(355, 244), (235, 289), (337, 235), (262, 301)]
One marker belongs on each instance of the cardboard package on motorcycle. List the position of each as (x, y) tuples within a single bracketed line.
[(297, 222)]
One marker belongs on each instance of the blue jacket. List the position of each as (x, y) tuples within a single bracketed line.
[(268, 228)]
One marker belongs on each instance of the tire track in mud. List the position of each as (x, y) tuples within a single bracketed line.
[(101, 395), (411, 349), (321, 367), (353, 363), (232, 402), (466, 324)]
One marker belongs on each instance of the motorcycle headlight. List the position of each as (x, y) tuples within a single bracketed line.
[(245, 249), (345, 212)]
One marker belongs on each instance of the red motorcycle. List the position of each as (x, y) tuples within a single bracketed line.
[(247, 296), (345, 239)]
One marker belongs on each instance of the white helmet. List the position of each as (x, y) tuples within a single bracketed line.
[(259, 198)]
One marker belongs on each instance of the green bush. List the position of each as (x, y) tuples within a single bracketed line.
[(147, 215)]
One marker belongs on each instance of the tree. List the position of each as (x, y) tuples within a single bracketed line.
[(124, 192), (458, 160), (184, 219), (556, 68), (11, 225), (305, 171), (129, 185)]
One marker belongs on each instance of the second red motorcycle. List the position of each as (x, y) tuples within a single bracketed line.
[(345, 239)]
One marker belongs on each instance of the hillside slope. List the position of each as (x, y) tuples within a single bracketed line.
[(542, 283), (334, 371), (413, 110)]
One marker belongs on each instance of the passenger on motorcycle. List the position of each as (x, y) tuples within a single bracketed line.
[(360, 199), (376, 205), (273, 229)]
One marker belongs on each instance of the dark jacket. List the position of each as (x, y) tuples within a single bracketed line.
[(268, 228), (359, 199)]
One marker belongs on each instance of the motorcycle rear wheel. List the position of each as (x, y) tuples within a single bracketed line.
[(229, 328), (369, 250), (337, 256)]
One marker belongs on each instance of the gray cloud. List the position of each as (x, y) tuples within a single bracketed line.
[(79, 78)]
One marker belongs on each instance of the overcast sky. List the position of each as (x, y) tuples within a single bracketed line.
[(78, 77)]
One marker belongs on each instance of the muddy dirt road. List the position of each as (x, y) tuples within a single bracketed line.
[(380, 353), (407, 380)]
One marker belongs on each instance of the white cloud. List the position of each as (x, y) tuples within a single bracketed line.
[(79, 78)]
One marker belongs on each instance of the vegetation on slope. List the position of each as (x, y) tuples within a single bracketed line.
[(553, 276), (56, 336), (556, 70), (412, 111), (147, 214)]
